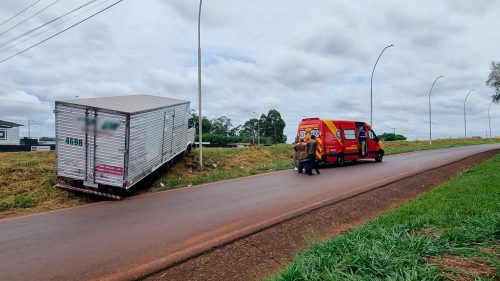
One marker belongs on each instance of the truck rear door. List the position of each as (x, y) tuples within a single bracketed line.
[(70, 140), (106, 149)]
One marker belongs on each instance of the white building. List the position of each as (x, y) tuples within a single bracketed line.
[(9, 133)]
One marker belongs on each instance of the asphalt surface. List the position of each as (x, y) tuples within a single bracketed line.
[(123, 239)]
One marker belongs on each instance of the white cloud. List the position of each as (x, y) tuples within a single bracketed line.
[(19, 105), (304, 58)]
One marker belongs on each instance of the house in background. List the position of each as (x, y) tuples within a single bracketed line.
[(9, 133)]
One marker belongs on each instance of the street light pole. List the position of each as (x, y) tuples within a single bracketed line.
[(489, 118), (200, 120), (371, 85), (258, 127), (465, 116), (430, 114), (258, 131)]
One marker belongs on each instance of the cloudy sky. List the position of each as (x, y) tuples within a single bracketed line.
[(303, 58)]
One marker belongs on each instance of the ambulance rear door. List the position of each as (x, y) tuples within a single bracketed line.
[(351, 148)]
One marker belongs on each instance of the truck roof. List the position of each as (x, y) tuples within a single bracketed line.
[(126, 104)]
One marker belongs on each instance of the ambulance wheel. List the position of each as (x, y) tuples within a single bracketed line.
[(380, 156), (340, 161)]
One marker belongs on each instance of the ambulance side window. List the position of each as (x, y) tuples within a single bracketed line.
[(371, 134), (350, 134), (315, 132)]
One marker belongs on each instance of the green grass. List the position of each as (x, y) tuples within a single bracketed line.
[(27, 182), (226, 163), (460, 220)]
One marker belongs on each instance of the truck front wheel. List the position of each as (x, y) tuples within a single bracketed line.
[(379, 157), (188, 149)]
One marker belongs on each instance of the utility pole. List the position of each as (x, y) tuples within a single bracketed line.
[(394, 131), (29, 130), (489, 118), (258, 131), (200, 120), (258, 127)]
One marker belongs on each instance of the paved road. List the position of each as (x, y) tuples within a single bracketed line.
[(140, 233)]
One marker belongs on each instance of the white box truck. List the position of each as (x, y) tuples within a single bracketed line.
[(106, 145)]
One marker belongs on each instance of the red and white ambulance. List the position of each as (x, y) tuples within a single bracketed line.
[(338, 140)]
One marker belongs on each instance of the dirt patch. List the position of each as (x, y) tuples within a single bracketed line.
[(462, 269), (268, 251), (491, 250)]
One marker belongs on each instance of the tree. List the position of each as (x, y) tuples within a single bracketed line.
[(249, 129), (391, 137), (274, 126), (235, 131), (494, 81), (222, 126), (194, 120)]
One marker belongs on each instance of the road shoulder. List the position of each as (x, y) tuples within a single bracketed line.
[(267, 251)]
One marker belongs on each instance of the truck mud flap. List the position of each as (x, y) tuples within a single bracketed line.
[(89, 192)]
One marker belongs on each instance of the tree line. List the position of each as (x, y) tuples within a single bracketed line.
[(268, 128)]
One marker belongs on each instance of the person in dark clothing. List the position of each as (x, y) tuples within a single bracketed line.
[(311, 147), (362, 141)]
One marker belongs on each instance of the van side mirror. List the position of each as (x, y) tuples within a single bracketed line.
[(376, 139)]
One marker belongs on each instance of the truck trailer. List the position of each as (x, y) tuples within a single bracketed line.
[(338, 140), (107, 145)]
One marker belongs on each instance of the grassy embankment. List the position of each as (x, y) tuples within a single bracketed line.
[(27, 182), (27, 178), (395, 147), (450, 233)]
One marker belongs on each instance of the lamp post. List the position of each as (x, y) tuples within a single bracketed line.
[(200, 120), (430, 114), (489, 118), (371, 85), (465, 116), (258, 128)]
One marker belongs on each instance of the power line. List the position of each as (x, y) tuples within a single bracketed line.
[(50, 37), (45, 24), (35, 14), (47, 29), (6, 21)]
